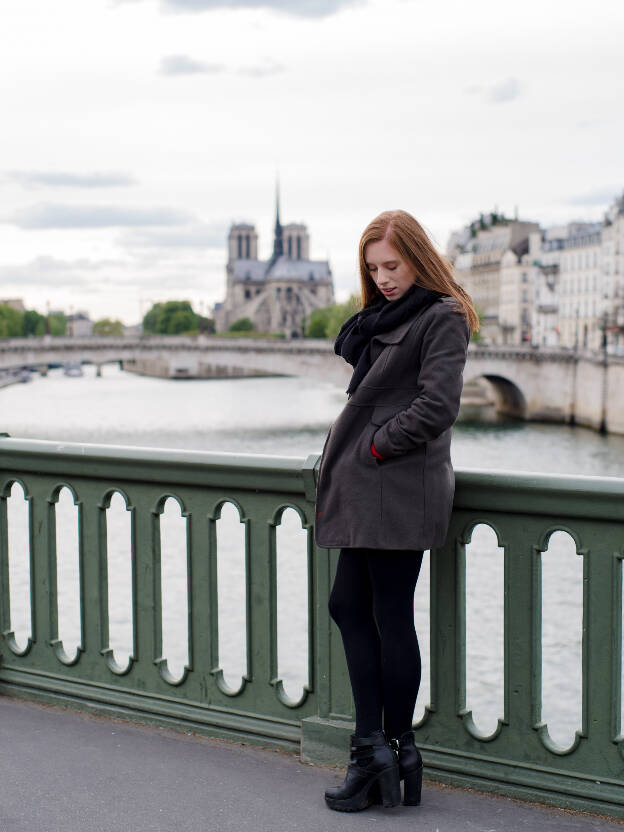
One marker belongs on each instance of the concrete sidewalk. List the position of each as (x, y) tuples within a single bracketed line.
[(66, 771)]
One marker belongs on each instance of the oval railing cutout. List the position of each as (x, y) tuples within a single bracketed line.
[(120, 583), (292, 604), (69, 620), (485, 648), (18, 533), (422, 625), (174, 588), (232, 595), (562, 633)]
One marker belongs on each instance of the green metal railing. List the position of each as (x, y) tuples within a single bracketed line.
[(518, 758)]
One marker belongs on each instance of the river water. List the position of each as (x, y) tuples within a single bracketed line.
[(290, 417)]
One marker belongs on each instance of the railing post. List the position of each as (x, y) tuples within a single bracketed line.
[(202, 593), (602, 637), (325, 736), (146, 606), (91, 557), (446, 638), (43, 579), (261, 605)]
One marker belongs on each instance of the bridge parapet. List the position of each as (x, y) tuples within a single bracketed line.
[(519, 758), (544, 384)]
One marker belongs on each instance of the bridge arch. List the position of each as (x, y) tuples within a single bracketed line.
[(510, 399)]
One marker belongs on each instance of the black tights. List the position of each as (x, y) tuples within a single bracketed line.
[(372, 602)]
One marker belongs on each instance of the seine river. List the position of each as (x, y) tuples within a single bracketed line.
[(290, 417)]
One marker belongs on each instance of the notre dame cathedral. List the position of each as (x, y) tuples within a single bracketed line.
[(278, 294)]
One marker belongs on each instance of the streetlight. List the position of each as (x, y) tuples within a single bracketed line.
[(604, 321)]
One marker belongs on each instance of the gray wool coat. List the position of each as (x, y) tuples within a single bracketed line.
[(406, 404)]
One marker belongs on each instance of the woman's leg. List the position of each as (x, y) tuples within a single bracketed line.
[(351, 607), (393, 576)]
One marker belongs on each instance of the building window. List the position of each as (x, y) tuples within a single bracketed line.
[(239, 240), (525, 296), (298, 248), (247, 294), (290, 248), (525, 277), (247, 247)]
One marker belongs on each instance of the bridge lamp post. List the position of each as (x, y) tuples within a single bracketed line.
[(604, 322)]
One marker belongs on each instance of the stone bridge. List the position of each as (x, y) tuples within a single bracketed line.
[(535, 384)]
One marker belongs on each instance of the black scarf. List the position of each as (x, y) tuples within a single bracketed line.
[(353, 341)]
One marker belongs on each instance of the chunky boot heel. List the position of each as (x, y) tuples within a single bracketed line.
[(410, 770), (373, 770), (389, 788), (412, 788)]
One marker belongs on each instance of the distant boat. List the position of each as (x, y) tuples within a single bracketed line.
[(72, 368)]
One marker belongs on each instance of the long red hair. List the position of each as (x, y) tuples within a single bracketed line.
[(408, 237)]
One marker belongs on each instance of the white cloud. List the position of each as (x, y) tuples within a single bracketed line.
[(185, 65), (298, 8), (52, 215), (51, 272), (68, 179), (200, 236), (505, 91), (597, 196), (442, 110), (268, 67)]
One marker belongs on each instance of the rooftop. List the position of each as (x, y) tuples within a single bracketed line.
[(283, 268)]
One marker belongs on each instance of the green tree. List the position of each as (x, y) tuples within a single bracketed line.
[(150, 319), (171, 318), (33, 323), (317, 325), (58, 324), (339, 313), (476, 336), (326, 322), (108, 326), (175, 316), (180, 320), (11, 321), (242, 325), (205, 325)]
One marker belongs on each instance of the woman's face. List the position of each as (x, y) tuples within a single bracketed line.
[(392, 275)]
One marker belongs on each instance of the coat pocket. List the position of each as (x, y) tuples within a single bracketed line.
[(382, 413)]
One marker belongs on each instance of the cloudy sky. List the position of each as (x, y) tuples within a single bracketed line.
[(134, 132)]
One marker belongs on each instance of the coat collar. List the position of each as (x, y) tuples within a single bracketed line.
[(396, 335)]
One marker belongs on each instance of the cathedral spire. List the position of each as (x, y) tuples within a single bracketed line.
[(278, 242)]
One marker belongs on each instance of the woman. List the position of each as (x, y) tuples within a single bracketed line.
[(385, 490)]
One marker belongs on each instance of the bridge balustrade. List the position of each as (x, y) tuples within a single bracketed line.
[(518, 757)]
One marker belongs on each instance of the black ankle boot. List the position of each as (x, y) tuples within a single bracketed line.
[(373, 768), (410, 769)]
